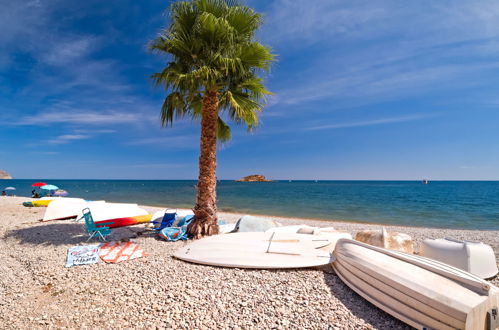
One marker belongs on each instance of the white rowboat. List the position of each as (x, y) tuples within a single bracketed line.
[(474, 257), (106, 211), (61, 209), (421, 292)]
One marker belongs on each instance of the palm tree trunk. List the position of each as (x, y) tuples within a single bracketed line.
[(205, 211)]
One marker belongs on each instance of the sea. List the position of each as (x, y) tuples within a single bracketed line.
[(443, 204)]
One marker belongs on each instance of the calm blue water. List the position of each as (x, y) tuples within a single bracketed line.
[(448, 204)]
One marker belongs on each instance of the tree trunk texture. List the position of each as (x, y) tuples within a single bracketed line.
[(205, 211)]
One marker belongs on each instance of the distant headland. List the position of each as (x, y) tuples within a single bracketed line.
[(254, 178), (5, 175)]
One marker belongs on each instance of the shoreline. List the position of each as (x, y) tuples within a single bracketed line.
[(307, 219)]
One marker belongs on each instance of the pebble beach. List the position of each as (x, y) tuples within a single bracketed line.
[(161, 292)]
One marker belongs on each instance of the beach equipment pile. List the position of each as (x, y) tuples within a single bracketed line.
[(171, 225)]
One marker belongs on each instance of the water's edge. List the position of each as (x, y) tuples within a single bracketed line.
[(442, 204)]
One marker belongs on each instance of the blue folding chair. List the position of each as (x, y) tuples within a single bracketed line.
[(167, 221), (185, 220), (101, 232)]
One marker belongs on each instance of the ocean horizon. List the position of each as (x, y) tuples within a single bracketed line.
[(442, 204)]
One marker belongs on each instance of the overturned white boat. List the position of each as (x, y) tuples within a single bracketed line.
[(421, 292), (258, 250), (62, 209), (474, 257), (106, 211)]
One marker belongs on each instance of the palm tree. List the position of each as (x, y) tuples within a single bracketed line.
[(212, 74)]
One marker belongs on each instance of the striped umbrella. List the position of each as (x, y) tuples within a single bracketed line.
[(60, 193)]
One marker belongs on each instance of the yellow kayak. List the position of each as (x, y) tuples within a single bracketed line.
[(38, 203), (42, 202)]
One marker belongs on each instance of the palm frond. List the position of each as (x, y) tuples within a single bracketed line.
[(223, 131), (173, 107), (210, 47)]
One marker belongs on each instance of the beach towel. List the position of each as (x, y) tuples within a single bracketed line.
[(173, 234), (82, 255), (114, 252)]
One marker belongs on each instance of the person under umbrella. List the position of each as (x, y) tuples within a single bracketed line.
[(49, 188), (34, 193), (10, 189)]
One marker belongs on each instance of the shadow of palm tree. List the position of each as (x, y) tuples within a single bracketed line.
[(60, 234), (360, 307)]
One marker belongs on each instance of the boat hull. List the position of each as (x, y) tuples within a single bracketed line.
[(125, 221), (419, 291), (474, 257), (62, 209), (257, 250)]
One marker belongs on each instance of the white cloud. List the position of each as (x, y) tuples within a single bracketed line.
[(66, 138), (91, 118), (169, 142), (381, 49), (374, 122), (304, 23), (46, 152), (68, 51)]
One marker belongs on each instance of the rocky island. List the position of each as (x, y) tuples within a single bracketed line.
[(5, 175), (254, 178)]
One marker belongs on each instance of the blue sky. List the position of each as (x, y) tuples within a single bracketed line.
[(362, 90)]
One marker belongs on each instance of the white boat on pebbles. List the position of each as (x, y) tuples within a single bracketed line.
[(421, 292), (61, 209), (474, 257)]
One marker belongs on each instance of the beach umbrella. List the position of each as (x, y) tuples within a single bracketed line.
[(49, 187), (38, 184), (60, 193), (10, 188)]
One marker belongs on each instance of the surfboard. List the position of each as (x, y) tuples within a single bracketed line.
[(258, 250)]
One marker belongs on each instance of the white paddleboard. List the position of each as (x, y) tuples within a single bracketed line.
[(258, 250)]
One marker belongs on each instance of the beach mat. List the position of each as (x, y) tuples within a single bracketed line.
[(114, 252)]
